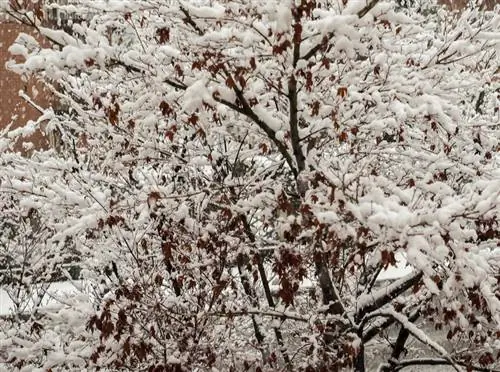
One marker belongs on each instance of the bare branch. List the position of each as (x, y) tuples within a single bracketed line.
[(189, 20)]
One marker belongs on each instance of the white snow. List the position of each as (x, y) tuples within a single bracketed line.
[(401, 269), (55, 294)]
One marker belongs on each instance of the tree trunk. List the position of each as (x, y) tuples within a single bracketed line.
[(359, 362)]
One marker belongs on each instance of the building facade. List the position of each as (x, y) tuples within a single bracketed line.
[(14, 110)]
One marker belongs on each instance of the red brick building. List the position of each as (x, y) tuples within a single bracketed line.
[(15, 110)]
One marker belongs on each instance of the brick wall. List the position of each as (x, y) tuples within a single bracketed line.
[(12, 106)]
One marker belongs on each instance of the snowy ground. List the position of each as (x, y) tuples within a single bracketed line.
[(56, 293)]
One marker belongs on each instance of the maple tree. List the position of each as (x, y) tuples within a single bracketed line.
[(232, 179)]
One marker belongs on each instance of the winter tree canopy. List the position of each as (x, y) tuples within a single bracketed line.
[(231, 178)]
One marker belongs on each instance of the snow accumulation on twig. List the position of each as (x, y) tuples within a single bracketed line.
[(430, 362), (379, 297), (417, 333)]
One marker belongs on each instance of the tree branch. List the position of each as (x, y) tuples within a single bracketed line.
[(267, 289), (189, 20), (417, 333), (371, 302), (330, 35), (399, 346), (438, 362), (292, 99), (375, 330), (246, 110), (269, 313)]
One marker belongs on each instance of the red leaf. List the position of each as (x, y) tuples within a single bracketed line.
[(193, 119), (325, 62), (297, 33), (286, 291), (230, 82), (242, 81), (315, 108), (179, 71), (386, 23), (342, 92), (165, 108), (89, 62), (388, 258), (201, 133), (163, 35), (263, 148), (158, 279), (343, 136), (280, 48), (309, 81), (113, 113)]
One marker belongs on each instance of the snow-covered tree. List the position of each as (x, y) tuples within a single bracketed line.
[(233, 178)]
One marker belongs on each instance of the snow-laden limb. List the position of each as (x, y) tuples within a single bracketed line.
[(399, 365), (368, 302), (281, 315), (418, 333)]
